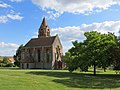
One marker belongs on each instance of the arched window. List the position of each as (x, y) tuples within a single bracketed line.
[(57, 52)]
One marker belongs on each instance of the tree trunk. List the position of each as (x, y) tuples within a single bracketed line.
[(94, 68), (104, 69)]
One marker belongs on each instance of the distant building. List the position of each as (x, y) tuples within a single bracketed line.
[(12, 61), (44, 52)]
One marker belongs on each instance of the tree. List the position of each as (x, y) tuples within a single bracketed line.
[(6, 63), (69, 60), (93, 51), (115, 54), (17, 57), (75, 58), (97, 46), (5, 60)]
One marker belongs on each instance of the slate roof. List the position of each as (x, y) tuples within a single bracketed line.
[(41, 41)]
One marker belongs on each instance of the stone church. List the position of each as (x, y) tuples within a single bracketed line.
[(44, 52)]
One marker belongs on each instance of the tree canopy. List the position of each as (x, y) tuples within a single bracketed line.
[(93, 51), (17, 57)]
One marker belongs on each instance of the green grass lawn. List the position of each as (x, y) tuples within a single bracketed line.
[(16, 79)]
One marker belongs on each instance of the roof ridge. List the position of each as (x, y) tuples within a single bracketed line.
[(44, 37)]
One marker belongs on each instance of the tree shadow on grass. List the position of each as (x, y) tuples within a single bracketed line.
[(78, 80)]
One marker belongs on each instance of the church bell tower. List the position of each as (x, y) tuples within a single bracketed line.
[(44, 30)]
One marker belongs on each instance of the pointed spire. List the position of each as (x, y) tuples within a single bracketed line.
[(44, 22), (44, 29)]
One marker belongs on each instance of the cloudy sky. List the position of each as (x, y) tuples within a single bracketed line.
[(20, 20)]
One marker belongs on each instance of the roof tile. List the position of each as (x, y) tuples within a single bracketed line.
[(41, 41)]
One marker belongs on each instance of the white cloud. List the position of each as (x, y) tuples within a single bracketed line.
[(72, 33), (3, 19), (15, 16), (9, 52), (57, 7), (10, 15), (4, 5), (16, 0), (104, 27), (69, 33), (53, 15), (8, 45), (66, 48), (6, 18), (8, 49)]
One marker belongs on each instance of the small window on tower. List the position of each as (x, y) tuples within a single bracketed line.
[(48, 30), (46, 26)]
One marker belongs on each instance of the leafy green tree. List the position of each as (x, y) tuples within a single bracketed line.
[(69, 60), (115, 56), (93, 51), (5, 60), (97, 45), (75, 58), (17, 57)]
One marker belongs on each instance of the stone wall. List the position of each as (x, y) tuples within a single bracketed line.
[(56, 53)]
